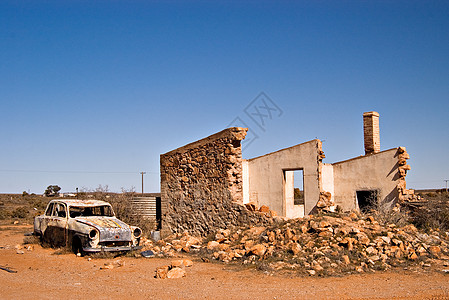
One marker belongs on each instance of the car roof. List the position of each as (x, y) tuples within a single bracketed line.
[(77, 202)]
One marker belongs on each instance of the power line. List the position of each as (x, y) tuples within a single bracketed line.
[(75, 172), (423, 181)]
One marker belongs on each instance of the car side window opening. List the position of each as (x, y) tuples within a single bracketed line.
[(49, 210), (60, 210)]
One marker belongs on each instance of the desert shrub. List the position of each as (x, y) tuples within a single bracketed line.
[(4, 214), (394, 215), (40, 203), (386, 214), (20, 212), (27, 240), (122, 204), (434, 214), (101, 193)]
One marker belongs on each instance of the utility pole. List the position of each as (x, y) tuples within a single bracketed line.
[(142, 173), (446, 184)]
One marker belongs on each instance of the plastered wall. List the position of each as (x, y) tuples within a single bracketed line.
[(372, 172), (267, 179)]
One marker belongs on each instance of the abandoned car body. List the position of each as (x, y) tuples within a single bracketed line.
[(87, 226)]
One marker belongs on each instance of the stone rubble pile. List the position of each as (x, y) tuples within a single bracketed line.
[(315, 245)]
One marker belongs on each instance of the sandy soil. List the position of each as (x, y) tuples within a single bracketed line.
[(44, 273)]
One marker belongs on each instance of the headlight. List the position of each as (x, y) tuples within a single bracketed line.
[(93, 234), (137, 232), (94, 237)]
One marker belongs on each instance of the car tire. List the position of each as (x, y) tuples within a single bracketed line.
[(77, 247)]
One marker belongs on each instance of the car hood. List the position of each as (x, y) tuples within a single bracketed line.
[(110, 228)]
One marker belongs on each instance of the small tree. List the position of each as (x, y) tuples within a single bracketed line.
[(52, 190)]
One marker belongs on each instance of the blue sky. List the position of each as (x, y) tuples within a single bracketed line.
[(92, 92)]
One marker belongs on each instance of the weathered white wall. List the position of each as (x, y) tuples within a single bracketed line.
[(327, 178), (372, 172), (245, 181), (266, 176)]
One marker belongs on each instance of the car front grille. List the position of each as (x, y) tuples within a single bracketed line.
[(115, 244)]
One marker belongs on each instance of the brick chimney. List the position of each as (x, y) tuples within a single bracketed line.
[(371, 132)]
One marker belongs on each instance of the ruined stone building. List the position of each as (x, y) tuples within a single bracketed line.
[(210, 173)]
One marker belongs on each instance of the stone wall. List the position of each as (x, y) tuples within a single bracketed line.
[(404, 193), (201, 184)]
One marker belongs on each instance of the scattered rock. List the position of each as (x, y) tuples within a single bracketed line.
[(188, 263), (107, 266), (176, 273), (161, 272), (212, 245), (258, 250), (264, 209), (435, 250), (171, 272)]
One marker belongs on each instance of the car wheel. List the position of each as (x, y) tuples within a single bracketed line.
[(77, 247), (39, 236)]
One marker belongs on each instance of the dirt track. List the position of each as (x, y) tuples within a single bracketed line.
[(43, 274)]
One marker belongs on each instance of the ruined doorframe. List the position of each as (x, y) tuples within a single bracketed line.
[(290, 209)]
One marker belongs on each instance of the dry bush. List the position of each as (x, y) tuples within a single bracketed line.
[(20, 212), (4, 214), (433, 214), (386, 214), (39, 203), (31, 240), (122, 205)]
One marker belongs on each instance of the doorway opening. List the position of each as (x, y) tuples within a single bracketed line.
[(367, 199), (298, 187), (294, 199)]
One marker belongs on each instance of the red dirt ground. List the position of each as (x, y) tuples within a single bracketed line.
[(44, 274)]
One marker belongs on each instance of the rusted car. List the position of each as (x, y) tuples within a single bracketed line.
[(86, 226)]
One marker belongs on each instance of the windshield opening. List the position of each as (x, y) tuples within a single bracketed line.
[(91, 211)]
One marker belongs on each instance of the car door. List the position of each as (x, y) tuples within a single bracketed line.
[(42, 221), (56, 233)]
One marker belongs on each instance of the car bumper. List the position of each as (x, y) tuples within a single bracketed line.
[(111, 249)]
